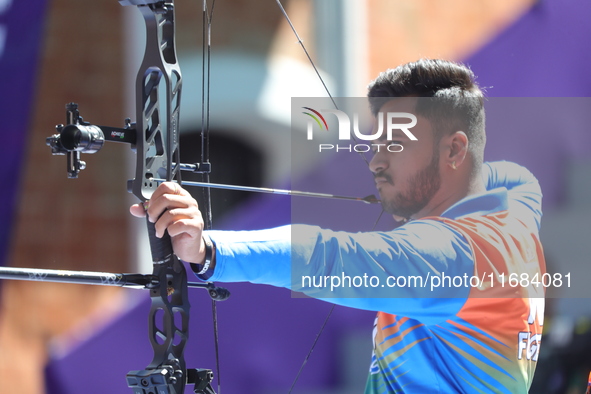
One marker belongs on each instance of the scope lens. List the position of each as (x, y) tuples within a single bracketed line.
[(82, 138)]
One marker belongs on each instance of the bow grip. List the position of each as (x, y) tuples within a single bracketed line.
[(161, 247)]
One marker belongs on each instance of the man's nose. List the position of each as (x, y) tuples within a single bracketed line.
[(377, 163)]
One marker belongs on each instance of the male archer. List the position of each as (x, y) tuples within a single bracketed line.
[(470, 226)]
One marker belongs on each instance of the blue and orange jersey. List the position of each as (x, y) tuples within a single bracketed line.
[(459, 298), (491, 344)]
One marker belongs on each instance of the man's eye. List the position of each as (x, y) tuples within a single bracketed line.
[(395, 146), (387, 146)]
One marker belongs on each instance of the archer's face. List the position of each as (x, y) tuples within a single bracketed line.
[(406, 180)]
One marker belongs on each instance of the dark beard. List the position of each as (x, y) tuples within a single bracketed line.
[(422, 187)]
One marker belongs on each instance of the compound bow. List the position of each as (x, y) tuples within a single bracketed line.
[(155, 139)]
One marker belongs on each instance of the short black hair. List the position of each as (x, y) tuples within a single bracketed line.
[(454, 100)]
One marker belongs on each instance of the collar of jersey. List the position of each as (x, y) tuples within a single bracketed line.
[(492, 201)]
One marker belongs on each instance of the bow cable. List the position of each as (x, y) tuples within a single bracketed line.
[(360, 154), (301, 42), (205, 123), (205, 164)]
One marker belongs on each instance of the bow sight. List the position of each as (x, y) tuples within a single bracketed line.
[(81, 137)]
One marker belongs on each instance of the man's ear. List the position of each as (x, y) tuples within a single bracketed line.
[(455, 149)]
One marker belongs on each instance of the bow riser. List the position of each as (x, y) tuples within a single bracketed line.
[(158, 92)]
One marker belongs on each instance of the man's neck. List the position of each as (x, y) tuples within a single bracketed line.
[(450, 193)]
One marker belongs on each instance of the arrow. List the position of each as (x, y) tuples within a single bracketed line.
[(371, 199)]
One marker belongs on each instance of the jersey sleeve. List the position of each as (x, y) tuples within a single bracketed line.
[(523, 189), (420, 270)]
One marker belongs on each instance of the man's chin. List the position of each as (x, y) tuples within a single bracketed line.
[(389, 208), (386, 193), (400, 215)]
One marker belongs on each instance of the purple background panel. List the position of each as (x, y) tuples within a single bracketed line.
[(544, 54), (22, 22)]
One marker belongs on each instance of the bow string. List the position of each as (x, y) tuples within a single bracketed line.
[(368, 199), (205, 165)]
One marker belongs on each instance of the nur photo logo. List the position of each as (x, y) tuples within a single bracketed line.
[(350, 131)]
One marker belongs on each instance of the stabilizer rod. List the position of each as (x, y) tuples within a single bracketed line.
[(134, 281)]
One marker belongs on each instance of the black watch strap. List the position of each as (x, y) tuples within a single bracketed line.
[(202, 270)]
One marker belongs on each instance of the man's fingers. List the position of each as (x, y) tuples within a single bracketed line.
[(169, 188), (168, 196), (160, 205), (184, 226), (170, 217), (173, 209), (138, 210), (170, 204)]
